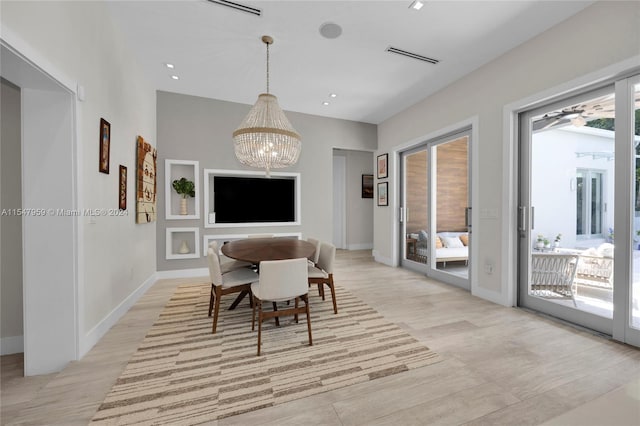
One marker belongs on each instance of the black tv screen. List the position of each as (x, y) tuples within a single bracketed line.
[(253, 199)]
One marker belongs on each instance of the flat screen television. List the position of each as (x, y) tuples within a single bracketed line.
[(254, 199)]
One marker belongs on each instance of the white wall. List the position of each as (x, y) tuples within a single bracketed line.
[(359, 210), (196, 128), (554, 163), (78, 42), (564, 53)]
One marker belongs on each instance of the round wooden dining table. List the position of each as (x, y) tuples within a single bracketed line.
[(255, 250)]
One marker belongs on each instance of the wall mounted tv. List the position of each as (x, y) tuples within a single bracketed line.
[(256, 200)]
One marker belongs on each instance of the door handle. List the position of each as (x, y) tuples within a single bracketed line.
[(467, 217)]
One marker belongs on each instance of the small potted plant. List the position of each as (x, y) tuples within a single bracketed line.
[(185, 188), (547, 243), (556, 242), (540, 242)]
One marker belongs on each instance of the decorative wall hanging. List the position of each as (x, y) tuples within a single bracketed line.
[(146, 182), (383, 189), (122, 188), (367, 186), (105, 144), (383, 172)]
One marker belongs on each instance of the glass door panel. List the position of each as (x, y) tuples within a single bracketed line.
[(415, 210), (567, 200), (451, 202)]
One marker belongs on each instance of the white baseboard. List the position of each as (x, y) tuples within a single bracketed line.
[(381, 259), (11, 345), (95, 334), (183, 273), (365, 246)]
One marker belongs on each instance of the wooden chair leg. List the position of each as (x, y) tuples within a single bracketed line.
[(306, 305), (253, 311), (321, 290), (216, 309), (333, 294), (275, 309), (259, 325), (295, 317), (211, 297)]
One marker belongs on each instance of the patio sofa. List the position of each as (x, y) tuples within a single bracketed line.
[(450, 248)]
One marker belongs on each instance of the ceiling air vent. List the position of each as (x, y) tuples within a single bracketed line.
[(412, 55), (238, 6)]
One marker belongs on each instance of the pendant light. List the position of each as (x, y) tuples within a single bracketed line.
[(265, 139)]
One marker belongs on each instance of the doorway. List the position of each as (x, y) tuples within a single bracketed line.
[(435, 201), (49, 239), (579, 241)]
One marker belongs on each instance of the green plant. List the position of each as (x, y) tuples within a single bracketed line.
[(546, 242), (558, 238), (540, 238), (184, 187)]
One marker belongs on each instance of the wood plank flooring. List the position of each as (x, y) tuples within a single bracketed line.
[(503, 366)]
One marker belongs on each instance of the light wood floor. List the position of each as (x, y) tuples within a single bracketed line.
[(502, 365)]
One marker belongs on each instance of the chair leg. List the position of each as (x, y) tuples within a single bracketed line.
[(216, 309), (259, 325), (306, 305), (211, 297), (253, 311), (295, 317), (321, 290), (275, 309), (333, 294)]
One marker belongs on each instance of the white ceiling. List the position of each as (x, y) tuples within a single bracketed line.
[(218, 53)]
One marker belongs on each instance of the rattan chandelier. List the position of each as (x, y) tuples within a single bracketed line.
[(266, 139)]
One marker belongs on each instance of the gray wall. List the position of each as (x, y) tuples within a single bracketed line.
[(11, 330), (359, 210), (195, 128)]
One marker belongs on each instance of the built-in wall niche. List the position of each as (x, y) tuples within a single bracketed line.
[(235, 198), (175, 170), (183, 243), (222, 239)]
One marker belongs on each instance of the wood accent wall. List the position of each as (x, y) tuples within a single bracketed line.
[(452, 187), (417, 184)]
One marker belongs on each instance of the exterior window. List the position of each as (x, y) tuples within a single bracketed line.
[(589, 203)]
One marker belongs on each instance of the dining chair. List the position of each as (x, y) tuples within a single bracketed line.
[(322, 272), (281, 280), (226, 263), (232, 282)]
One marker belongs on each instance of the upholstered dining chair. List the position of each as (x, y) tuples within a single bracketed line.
[(226, 263), (232, 282), (322, 273), (281, 280)]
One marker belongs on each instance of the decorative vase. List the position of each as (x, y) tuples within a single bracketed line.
[(184, 248), (539, 245), (183, 206), (556, 244)]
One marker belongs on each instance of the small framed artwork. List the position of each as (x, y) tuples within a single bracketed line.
[(105, 142), (122, 188), (383, 189), (367, 186), (382, 166)]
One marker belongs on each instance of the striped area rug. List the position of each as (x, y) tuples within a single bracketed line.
[(183, 374)]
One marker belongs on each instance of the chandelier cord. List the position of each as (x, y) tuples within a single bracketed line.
[(267, 67)]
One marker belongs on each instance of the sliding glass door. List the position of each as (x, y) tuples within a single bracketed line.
[(579, 214), (435, 198)]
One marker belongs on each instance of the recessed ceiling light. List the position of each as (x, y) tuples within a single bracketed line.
[(330, 30), (333, 95), (168, 65), (416, 5), (325, 103), (175, 77)]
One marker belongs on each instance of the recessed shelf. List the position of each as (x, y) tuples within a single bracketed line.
[(174, 170), (183, 243)]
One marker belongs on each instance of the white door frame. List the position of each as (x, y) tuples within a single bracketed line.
[(339, 201)]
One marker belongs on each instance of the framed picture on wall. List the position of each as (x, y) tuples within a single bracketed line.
[(105, 142), (382, 166), (367, 186), (122, 188), (383, 188)]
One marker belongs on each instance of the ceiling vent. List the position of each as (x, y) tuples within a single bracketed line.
[(238, 6), (412, 55)]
